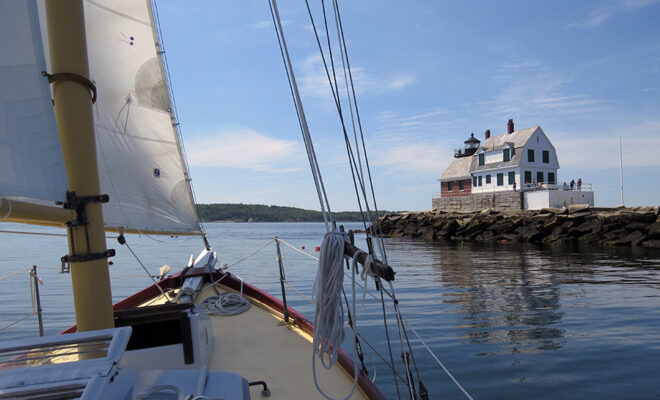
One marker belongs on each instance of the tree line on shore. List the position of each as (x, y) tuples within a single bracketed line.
[(264, 213)]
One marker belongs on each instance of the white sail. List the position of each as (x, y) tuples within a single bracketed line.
[(31, 162), (141, 164)]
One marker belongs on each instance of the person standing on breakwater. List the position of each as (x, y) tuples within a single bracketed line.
[(572, 183), (579, 183)]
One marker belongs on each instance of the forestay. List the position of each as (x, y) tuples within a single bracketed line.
[(140, 159), (31, 162)]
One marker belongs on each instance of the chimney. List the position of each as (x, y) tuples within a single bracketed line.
[(509, 126), (487, 134)]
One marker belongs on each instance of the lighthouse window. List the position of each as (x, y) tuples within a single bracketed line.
[(530, 155), (500, 179), (546, 156), (481, 159), (507, 154), (449, 186), (487, 179)]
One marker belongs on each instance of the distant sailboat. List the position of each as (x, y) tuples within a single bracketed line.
[(116, 113)]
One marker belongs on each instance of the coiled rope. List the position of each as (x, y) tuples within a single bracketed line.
[(226, 303)]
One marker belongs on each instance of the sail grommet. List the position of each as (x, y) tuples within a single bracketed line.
[(69, 76)]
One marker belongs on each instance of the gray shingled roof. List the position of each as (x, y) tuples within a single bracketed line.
[(458, 169), (517, 140)]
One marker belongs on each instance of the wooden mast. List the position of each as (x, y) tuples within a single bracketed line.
[(73, 112)]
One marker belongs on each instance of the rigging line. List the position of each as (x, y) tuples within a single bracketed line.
[(299, 292), (357, 112), (404, 355), (335, 94), (412, 355), (250, 255), (33, 233), (311, 153), (298, 250), (403, 381), (318, 42), (332, 61), (359, 172), (428, 349), (144, 268), (389, 345), (338, 105), (348, 95), (358, 166), (17, 321), (13, 274), (350, 104), (160, 45), (402, 328), (286, 68)]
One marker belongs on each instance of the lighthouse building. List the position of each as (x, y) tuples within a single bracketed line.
[(510, 165)]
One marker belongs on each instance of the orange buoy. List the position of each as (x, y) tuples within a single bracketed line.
[(318, 248)]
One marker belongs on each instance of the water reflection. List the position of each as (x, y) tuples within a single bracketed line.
[(508, 297)]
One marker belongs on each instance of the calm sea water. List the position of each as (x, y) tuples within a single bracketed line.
[(509, 321)]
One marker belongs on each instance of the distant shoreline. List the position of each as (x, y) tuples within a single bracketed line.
[(228, 212)]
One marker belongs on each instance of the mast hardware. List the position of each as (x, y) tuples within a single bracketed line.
[(76, 258), (79, 204), (380, 269), (69, 76)]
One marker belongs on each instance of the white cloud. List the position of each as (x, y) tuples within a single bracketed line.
[(268, 24), (313, 79), (534, 91), (418, 158), (243, 148), (262, 24), (600, 15), (401, 82), (600, 149)]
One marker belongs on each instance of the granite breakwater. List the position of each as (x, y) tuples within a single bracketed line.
[(637, 226)]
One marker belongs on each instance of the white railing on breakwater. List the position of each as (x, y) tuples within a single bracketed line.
[(585, 187)]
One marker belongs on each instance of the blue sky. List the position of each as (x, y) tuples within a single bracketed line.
[(427, 74)]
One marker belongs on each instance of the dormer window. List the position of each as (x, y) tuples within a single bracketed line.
[(506, 155), (482, 159)]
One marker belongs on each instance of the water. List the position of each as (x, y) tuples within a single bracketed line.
[(509, 321)]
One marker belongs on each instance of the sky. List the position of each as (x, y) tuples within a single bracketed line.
[(426, 75)]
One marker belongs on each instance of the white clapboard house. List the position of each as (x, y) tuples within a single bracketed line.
[(520, 160)]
